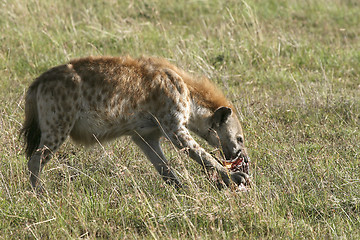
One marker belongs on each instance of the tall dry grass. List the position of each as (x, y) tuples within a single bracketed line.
[(290, 67)]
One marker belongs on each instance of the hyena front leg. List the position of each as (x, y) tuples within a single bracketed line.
[(182, 139), (150, 145)]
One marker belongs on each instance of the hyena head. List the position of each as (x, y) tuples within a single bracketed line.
[(226, 133)]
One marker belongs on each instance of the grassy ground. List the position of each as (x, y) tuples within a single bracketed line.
[(291, 68)]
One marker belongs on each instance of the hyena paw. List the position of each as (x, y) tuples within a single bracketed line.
[(240, 178)]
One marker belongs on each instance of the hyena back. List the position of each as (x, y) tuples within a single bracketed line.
[(100, 98)]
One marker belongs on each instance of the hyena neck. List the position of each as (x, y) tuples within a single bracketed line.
[(200, 118), (205, 100)]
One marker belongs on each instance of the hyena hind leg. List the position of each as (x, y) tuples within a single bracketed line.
[(56, 116), (47, 147), (37, 162)]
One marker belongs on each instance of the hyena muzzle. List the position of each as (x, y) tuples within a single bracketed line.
[(100, 98)]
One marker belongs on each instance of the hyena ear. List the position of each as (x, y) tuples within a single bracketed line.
[(221, 115)]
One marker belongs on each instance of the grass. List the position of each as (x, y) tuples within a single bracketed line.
[(290, 67)]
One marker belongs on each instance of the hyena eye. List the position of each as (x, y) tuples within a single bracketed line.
[(240, 139)]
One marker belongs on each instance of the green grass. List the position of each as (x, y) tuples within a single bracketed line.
[(292, 70)]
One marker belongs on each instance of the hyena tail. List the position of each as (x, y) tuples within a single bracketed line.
[(30, 131)]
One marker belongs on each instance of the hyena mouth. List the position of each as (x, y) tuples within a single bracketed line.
[(240, 163)]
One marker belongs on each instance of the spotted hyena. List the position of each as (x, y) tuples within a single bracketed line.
[(100, 98)]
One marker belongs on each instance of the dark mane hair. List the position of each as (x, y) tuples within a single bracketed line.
[(205, 92)]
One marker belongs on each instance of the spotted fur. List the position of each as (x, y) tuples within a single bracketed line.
[(101, 98)]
